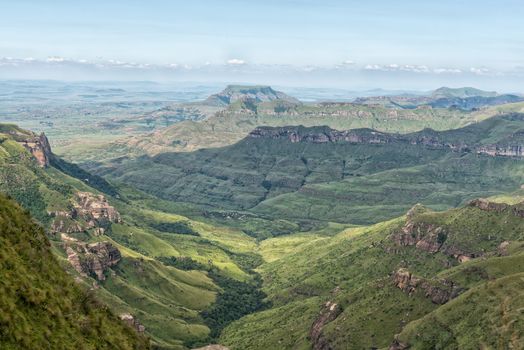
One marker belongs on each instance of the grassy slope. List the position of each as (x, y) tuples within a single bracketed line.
[(230, 126), (298, 181), (353, 268), (167, 300), (41, 306)]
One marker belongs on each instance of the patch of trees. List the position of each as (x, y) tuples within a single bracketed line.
[(183, 263), (236, 300), (180, 227)]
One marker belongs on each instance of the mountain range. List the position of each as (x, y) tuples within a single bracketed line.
[(277, 225)]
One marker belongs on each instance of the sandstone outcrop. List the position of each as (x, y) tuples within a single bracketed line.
[(88, 211), (439, 291), (39, 147), (95, 209), (213, 347), (92, 259), (428, 237), (502, 150), (397, 345), (427, 138), (486, 205), (329, 312), (131, 321)]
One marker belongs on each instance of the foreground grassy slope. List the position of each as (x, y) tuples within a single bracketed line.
[(171, 268), (356, 270), (41, 306)]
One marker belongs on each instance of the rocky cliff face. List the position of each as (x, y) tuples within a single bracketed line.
[(439, 291), (329, 312), (131, 321), (39, 147), (484, 204), (426, 138), (96, 209), (428, 237), (502, 150), (92, 259), (89, 211)]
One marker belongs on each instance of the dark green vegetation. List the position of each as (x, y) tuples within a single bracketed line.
[(237, 299), (294, 173), (41, 306)]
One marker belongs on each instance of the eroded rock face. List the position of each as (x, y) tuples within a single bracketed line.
[(428, 237), (427, 138), (502, 150), (213, 347), (96, 208), (486, 205), (329, 312), (397, 345), (40, 149), (92, 259), (89, 211), (439, 291), (131, 321)]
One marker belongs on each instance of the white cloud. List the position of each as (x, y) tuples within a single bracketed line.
[(236, 62), (55, 59), (480, 71), (445, 70), (348, 63)]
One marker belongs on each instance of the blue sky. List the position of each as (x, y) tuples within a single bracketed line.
[(473, 37)]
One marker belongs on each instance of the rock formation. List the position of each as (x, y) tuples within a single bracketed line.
[(92, 259), (428, 237), (427, 138), (131, 321), (329, 312), (439, 291), (89, 211), (39, 147), (484, 204)]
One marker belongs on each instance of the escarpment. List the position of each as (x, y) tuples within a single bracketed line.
[(440, 291), (509, 145), (39, 147)]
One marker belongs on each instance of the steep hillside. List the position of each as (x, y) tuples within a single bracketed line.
[(439, 280), (41, 306), (295, 172), (162, 273)]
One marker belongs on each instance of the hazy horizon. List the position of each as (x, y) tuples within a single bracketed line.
[(405, 45)]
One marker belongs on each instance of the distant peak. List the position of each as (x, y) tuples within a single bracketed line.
[(256, 93), (463, 92)]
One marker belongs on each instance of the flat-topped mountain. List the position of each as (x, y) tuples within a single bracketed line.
[(257, 93)]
